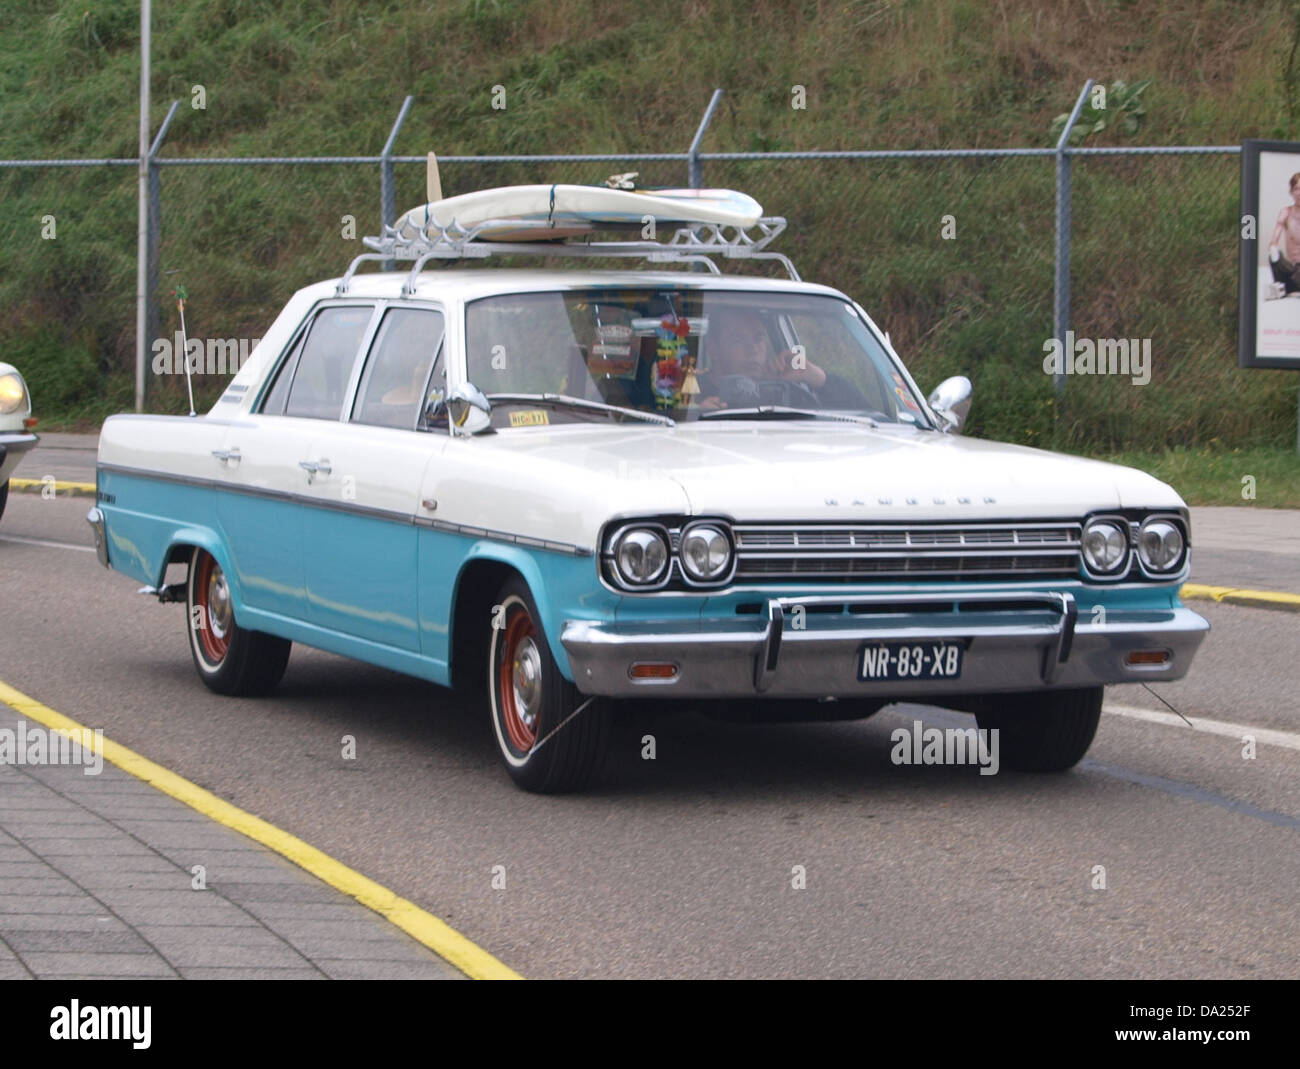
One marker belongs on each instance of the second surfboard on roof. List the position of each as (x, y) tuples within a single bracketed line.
[(572, 210)]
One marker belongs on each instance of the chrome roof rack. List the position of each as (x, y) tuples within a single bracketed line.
[(698, 243)]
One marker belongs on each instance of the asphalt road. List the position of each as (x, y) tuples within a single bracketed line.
[(682, 866)]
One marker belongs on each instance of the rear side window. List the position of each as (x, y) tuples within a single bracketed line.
[(320, 377), (274, 403), (392, 391)]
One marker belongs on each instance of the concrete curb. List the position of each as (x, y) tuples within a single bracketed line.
[(1256, 599), (62, 488)]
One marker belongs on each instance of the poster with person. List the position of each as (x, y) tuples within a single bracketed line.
[(1270, 255)]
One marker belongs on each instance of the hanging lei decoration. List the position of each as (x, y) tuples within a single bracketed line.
[(672, 375)]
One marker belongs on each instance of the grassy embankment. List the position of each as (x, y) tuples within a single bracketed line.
[(1154, 242)]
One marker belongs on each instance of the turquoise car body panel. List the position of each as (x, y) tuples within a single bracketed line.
[(336, 609)]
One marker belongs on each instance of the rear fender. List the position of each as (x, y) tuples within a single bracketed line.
[(180, 549)]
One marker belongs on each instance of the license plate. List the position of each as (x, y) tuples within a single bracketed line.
[(882, 661)]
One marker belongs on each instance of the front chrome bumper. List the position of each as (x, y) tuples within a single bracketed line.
[(1013, 642), (13, 444)]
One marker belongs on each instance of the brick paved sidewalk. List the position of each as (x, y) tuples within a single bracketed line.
[(96, 881)]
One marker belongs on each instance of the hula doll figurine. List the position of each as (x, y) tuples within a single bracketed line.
[(690, 384)]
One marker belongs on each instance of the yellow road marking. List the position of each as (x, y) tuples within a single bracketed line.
[(424, 927), (60, 486), (1262, 599)]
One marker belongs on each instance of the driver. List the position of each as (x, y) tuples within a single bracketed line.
[(740, 347)]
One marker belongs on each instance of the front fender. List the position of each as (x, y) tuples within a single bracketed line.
[(564, 587)]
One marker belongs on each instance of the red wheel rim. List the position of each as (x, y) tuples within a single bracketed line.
[(519, 680), (215, 623)]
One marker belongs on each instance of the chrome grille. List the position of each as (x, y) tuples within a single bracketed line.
[(935, 551)]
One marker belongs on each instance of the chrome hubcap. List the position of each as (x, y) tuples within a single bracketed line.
[(527, 681), (219, 613)]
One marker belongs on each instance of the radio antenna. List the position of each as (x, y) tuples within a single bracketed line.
[(180, 295)]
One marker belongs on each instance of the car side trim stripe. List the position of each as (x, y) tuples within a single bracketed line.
[(390, 515), (505, 536)]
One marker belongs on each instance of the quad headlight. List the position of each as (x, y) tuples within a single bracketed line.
[(650, 554), (705, 553), (1160, 545), (13, 394), (1105, 546), (640, 556)]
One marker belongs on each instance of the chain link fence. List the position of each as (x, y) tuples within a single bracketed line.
[(953, 253)]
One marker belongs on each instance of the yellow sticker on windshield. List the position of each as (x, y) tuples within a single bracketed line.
[(529, 417)]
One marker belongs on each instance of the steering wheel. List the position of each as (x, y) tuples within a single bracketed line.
[(741, 391)]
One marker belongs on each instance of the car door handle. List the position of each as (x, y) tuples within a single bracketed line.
[(227, 456), (314, 467)]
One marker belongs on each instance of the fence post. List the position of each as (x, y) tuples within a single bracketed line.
[(1061, 308), (695, 173), (153, 322), (142, 208), (387, 180)]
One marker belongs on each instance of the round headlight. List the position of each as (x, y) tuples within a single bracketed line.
[(1104, 546), (641, 555), (1160, 545), (13, 394), (706, 553)]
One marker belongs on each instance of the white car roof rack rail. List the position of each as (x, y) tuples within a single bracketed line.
[(697, 243)]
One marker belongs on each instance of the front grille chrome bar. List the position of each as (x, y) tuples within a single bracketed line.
[(935, 550)]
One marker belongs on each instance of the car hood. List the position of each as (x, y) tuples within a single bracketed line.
[(840, 471)]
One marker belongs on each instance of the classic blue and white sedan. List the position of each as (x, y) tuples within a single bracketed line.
[(564, 489)]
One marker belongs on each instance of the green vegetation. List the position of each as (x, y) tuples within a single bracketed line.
[(1117, 103), (1155, 239), (1213, 476)]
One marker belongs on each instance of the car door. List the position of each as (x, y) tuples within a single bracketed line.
[(264, 509), (365, 473)]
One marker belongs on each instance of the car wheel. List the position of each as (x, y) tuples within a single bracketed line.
[(230, 659), (545, 746), (1044, 732), (4, 496)]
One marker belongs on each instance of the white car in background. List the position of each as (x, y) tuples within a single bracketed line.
[(16, 422)]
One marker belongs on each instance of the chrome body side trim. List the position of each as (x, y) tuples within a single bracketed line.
[(353, 508)]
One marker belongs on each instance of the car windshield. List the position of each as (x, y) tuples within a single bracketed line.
[(686, 354)]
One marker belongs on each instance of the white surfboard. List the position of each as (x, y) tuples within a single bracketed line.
[(570, 210)]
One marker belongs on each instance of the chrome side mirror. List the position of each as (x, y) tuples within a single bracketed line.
[(469, 412), (951, 401)]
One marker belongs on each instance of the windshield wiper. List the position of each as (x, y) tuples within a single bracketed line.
[(786, 412), (565, 401)]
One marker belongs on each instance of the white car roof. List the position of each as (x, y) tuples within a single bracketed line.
[(467, 285)]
